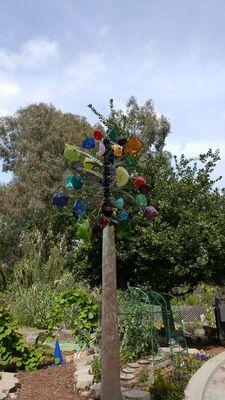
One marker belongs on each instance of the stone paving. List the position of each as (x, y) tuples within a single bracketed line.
[(215, 388)]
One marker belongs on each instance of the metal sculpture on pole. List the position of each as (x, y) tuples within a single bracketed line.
[(113, 166)]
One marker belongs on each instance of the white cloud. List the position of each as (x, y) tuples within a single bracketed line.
[(35, 53), (86, 69), (8, 89)]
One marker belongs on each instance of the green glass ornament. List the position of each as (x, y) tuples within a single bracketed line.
[(142, 200), (131, 160), (84, 231), (71, 153), (112, 134)]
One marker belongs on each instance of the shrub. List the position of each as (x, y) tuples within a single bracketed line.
[(13, 350)]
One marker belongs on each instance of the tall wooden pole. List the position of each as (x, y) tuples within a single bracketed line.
[(110, 349), (110, 380)]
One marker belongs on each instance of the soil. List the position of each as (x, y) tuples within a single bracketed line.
[(50, 383)]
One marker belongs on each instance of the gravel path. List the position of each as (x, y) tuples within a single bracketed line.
[(51, 383)]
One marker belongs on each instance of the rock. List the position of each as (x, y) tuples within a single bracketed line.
[(126, 377), (83, 381), (7, 384), (95, 391), (128, 370), (134, 365), (135, 395), (33, 338)]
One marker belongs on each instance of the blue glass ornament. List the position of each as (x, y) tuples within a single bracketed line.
[(79, 208), (60, 199), (88, 143), (120, 203), (123, 216), (112, 170), (74, 182)]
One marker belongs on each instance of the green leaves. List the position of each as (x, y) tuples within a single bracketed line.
[(13, 350)]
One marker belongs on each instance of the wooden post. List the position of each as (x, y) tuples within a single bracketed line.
[(110, 349)]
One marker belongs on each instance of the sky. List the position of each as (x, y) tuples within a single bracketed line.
[(75, 52)]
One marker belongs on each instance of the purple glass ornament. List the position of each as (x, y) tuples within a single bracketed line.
[(88, 143), (122, 140), (151, 212), (144, 189), (79, 208), (60, 199)]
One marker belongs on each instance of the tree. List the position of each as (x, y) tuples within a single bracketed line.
[(31, 146), (185, 245)]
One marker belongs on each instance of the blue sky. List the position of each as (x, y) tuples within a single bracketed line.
[(73, 52)]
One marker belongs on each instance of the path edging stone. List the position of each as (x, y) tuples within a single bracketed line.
[(197, 384)]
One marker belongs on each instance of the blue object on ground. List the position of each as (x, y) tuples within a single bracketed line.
[(58, 360)]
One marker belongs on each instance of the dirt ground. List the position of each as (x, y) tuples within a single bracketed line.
[(50, 383)]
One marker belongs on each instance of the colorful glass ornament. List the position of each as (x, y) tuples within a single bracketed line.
[(98, 135), (101, 149), (60, 199), (104, 221), (151, 212), (131, 160), (142, 200), (139, 181), (112, 134), (79, 208), (107, 209), (88, 143), (88, 163), (76, 166), (84, 230), (112, 170), (68, 182), (120, 202), (74, 182), (122, 176), (123, 216), (123, 229), (133, 146), (144, 188), (122, 140), (118, 150), (71, 153)]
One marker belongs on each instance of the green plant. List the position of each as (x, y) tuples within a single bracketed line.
[(96, 368), (31, 306), (143, 377), (136, 329), (168, 387), (86, 312), (13, 350)]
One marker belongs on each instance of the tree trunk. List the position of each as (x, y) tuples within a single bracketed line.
[(110, 351)]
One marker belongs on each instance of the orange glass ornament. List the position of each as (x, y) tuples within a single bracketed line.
[(133, 146)]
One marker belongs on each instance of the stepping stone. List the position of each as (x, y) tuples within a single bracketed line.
[(144, 361), (128, 370), (126, 377), (134, 365)]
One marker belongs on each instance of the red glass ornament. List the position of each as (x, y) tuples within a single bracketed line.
[(139, 181), (98, 135)]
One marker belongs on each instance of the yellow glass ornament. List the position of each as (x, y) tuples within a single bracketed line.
[(88, 163), (122, 176)]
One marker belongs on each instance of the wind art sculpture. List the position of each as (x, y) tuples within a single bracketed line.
[(111, 158)]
